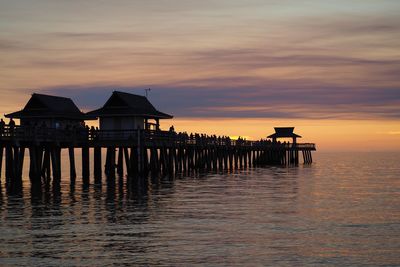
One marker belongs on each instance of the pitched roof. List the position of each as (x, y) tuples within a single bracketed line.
[(126, 104), (48, 106), (282, 132)]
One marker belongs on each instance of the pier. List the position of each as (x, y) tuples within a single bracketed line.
[(126, 145), (134, 153)]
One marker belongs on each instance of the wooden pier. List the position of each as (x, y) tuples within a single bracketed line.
[(134, 153), (49, 124)]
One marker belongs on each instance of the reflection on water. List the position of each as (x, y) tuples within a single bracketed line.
[(342, 210)]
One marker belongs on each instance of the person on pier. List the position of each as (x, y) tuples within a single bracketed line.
[(87, 131), (2, 126), (11, 125), (93, 133)]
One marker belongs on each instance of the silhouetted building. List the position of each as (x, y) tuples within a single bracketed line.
[(125, 111), (284, 132), (49, 111)]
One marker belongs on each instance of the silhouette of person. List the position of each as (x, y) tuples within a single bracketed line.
[(87, 129), (11, 124), (97, 132), (2, 126), (93, 133)]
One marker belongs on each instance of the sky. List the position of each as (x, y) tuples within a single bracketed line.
[(239, 68)]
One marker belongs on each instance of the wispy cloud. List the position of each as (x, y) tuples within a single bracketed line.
[(394, 133), (254, 102)]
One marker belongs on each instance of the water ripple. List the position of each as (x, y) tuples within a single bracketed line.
[(343, 210)]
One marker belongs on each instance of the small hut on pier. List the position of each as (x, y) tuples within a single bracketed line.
[(125, 111), (50, 112), (284, 132)]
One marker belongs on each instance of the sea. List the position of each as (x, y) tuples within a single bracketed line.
[(342, 210)]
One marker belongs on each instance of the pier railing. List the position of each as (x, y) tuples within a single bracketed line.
[(91, 136), (41, 134)]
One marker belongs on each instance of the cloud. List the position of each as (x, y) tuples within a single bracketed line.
[(256, 58), (273, 101)]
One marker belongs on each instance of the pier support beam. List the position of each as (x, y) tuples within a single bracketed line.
[(72, 169), (56, 165), (1, 160), (127, 162), (97, 164), (34, 165), (46, 167), (120, 166), (110, 166), (85, 165)]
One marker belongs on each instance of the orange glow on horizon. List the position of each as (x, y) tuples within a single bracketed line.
[(329, 135)]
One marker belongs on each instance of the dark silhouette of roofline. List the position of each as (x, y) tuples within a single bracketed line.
[(275, 135), (284, 132), (48, 106), (122, 104)]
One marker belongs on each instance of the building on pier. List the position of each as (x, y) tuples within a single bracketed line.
[(284, 132), (125, 111), (50, 112)]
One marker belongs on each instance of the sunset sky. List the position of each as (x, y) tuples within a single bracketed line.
[(330, 68)]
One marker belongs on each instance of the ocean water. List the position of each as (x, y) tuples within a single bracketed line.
[(343, 210)]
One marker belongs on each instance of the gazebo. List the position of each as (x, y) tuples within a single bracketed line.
[(49, 111), (125, 111), (284, 132)]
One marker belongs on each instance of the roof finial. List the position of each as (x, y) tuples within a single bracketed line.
[(147, 91)]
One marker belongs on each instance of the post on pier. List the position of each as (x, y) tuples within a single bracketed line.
[(85, 165), (1, 160), (97, 164), (120, 166), (56, 165), (72, 169)]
